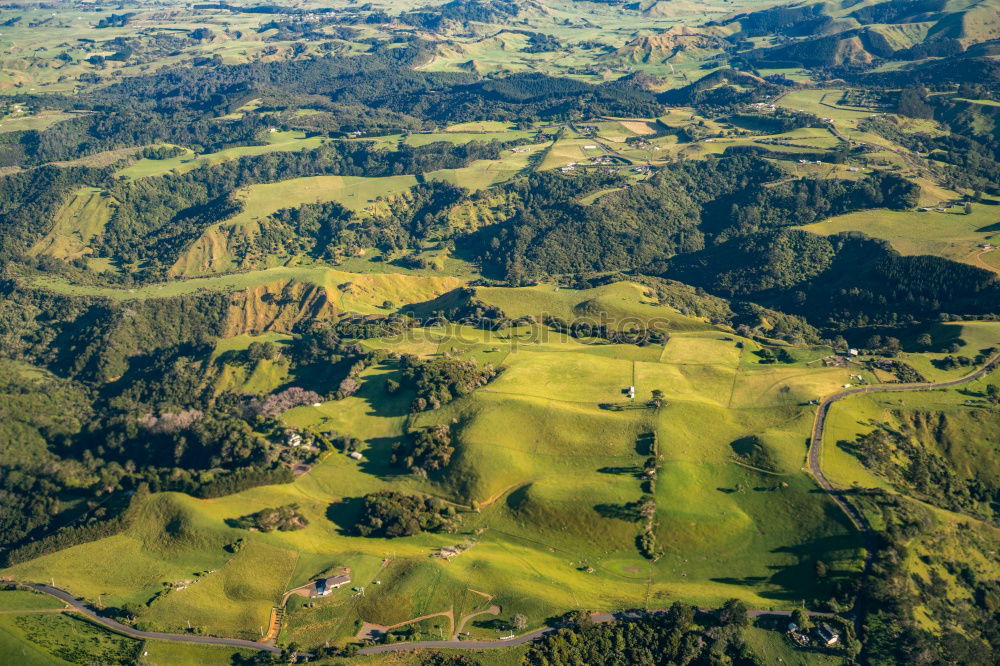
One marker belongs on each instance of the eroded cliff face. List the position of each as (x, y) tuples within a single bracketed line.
[(277, 306)]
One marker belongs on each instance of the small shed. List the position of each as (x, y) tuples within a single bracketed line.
[(355, 455)]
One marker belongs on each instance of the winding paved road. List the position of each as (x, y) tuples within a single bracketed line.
[(814, 466), (80, 606), (816, 442), (816, 454)]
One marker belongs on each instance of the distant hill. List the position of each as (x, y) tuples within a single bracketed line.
[(721, 84), (834, 34), (662, 47)]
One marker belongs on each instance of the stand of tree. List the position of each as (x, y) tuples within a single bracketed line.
[(391, 514), (681, 635)]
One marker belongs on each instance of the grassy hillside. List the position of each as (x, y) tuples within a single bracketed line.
[(527, 444), (79, 220)]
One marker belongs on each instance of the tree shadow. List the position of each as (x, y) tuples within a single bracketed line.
[(450, 301), (627, 512), (645, 444), (634, 470), (518, 498), (377, 455), (746, 581), (496, 624), (344, 514), (380, 402)]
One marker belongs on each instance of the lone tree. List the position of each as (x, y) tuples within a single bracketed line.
[(519, 622), (801, 618), (657, 400), (734, 613)]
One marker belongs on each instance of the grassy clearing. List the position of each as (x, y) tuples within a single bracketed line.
[(62, 638), (950, 234), (159, 653), (614, 304), (76, 223), (480, 126), (451, 135), (484, 173), (972, 337), (27, 600), (823, 103), (285, 142), (353, 192), (234, 599), (39, 121)]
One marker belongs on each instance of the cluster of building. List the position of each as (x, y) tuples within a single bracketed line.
[(823, 635)]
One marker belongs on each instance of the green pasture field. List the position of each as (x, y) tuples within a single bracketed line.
[(618, 302), (48, 639), (530, 442), (950, 234), (487, 126), (823, 103), (451, 135), (160, 653), (857, 415), (26, 600), (972, 338), (483, 173), (38, 121), (286, 142), (567, 150)]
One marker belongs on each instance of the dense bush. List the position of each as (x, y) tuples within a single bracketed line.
[(285, 518), (392, 514), (438, 381)]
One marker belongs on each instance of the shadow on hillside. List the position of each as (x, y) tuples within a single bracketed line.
[(495, 624), (800, 580), (645, 444), (634, 470), (380, 402), (628, 512), (344, 514), (377, 455), (456, 299)]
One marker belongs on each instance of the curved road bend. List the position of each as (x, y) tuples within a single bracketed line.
[(816, 441), (815, 450), (816, 454), (114, 625)]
